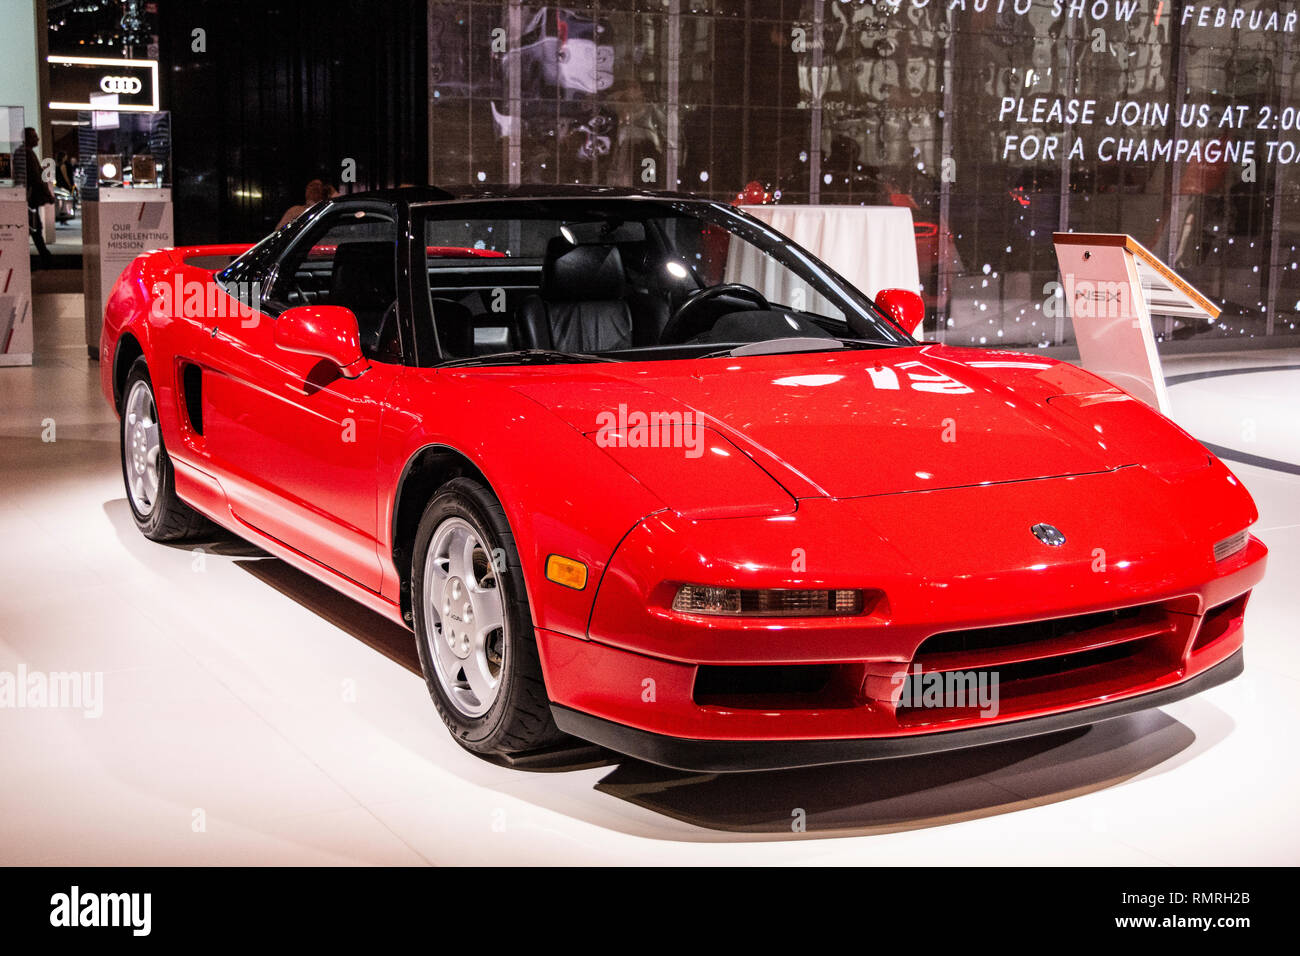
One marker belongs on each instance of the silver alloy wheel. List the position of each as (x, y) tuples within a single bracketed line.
[(143, 447), (464, 617)]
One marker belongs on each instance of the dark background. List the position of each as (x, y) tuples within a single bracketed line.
[(284, 93)]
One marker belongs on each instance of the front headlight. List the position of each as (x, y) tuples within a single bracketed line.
[(768, 602), (1231, 545)]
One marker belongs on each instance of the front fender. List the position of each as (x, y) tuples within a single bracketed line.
[(128, 312), (561, 494)]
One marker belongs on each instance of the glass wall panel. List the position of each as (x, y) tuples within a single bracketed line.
[(997, 122)]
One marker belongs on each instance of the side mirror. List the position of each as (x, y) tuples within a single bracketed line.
[(905, 307), (327, 331)]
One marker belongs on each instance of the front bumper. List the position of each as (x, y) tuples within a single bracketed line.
[(1127, 615), (726, 756)]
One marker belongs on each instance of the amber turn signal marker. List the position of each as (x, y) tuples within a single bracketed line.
[(566, 571)]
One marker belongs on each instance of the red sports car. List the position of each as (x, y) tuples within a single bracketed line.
[(636, 468)]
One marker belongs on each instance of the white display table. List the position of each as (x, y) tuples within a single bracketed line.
[(873, 247)]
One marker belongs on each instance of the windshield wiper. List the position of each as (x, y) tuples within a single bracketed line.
[(870, 344), (525, 357), (794, 344)]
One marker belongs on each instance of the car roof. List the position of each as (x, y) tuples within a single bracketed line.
[(422, 194)]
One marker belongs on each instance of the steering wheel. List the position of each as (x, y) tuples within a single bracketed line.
[(676, 327)]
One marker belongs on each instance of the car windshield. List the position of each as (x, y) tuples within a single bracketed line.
[(565, 280)]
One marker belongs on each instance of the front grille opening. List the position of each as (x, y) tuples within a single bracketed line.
[(1064, 665), (775, 686), (1018, 682), (1012, 635), (1218, 621)]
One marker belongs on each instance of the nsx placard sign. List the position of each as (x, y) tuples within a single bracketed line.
[(77, 82)]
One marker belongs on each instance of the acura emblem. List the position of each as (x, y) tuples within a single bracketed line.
[(1050, 535)]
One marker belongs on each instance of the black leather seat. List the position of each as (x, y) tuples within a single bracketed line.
[(584, 304), (364, 280), (455, 326)]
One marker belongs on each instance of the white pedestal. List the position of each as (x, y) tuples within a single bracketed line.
[(123, 224), (1112, 286), (15, 279)]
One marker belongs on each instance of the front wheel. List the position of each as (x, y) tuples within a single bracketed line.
[(147, 471), (473, 625)]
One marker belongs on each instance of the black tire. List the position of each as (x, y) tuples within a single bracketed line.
[(519, 718), (169, 518)]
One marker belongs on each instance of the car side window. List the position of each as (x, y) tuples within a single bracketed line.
[(349, 258)]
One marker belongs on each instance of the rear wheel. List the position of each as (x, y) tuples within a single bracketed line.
[(474, 627), (147, 471)]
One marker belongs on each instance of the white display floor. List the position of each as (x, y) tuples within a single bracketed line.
[(252, 716)]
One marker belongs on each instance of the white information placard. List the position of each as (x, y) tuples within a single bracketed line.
[(1112, 286), (15, 279), (122, 225)]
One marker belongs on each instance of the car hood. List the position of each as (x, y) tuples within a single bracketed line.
[(851, 424)]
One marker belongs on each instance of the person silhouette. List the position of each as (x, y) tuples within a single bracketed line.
[(38, 194), (315, 192)]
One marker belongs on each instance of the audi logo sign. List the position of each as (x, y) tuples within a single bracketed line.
[(130, 85), (103, 84)]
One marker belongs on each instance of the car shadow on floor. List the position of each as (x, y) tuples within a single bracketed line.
[(909, 793), (371, 629), (374, 630)]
